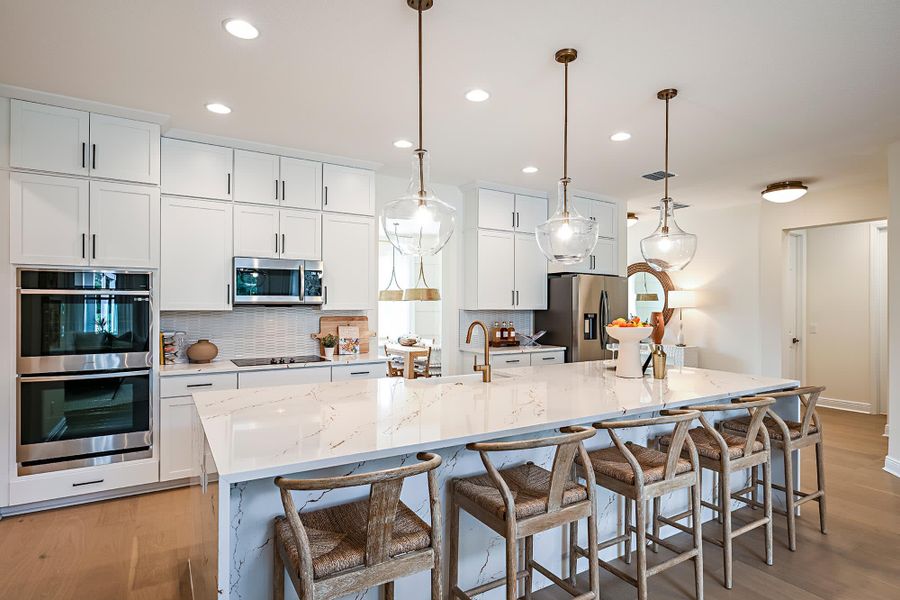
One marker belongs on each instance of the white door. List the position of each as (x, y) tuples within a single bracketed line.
[(301, 183), (605, 214), (496, 210), (194, 169), (348, 253), (347, 190), (195, 257), (496, 269), (124, 149), (48, 138), (49, 219), (124, 225), (256, 231), (605, 258), (177, 418), (530, 212), (301, 234), (531, 274), (256, 177)]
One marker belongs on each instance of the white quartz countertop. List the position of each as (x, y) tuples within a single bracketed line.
[(263, 432), (479, 349), (224, 365)]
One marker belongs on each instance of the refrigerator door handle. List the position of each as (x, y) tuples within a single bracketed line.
[(604, 318)]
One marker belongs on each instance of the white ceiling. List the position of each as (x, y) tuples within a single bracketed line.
[(769, 89)]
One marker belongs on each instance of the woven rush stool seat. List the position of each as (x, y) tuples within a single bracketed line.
[(708, 446), (529, 485), (742, 425), (612, 463)]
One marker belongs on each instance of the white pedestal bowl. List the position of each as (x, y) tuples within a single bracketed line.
[(628, 364)]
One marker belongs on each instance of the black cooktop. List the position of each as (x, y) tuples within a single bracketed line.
[(278, 360)]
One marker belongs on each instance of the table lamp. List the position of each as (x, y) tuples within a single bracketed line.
[(681, 299)]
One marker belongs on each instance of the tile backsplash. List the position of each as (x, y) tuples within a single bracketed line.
[(522, 320), (252, 331)]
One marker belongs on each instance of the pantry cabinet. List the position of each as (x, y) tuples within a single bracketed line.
[(268, 232), (348, 190), (348, 253), (195, 169)]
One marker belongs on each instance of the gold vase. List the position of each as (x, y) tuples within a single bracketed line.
[(659, 362)]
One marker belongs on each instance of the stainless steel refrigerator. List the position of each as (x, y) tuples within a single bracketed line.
[(578, 309)]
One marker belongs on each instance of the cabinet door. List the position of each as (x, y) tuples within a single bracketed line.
[(348, 253), (531, 274), (124, 225), (256, 231), (48, 138), (301, 234), (530, 212), (605, 214), (256, 177), (301, 183), (510, 361), (194, 169), (605, 258), (351, 371), (496, 267), (177, 419), (48, 219), (124, 149), (196, 257), (348, 190), (496, 210)]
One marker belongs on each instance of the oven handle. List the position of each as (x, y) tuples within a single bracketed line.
[(25, 378), (31, 292)]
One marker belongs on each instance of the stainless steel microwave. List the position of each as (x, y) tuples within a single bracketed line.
[(277, 281)]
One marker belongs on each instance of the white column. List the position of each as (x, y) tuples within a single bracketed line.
[(892, 461)]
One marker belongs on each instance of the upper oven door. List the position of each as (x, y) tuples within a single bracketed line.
[(267, 281), (73, 329)]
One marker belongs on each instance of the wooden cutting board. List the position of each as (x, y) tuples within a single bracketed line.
[(330, 325)]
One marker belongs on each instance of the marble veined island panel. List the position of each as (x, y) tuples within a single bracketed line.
[(247, 437)]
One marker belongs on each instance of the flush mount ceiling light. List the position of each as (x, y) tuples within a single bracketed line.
[(669, 248), (529, 170), (418, 223), (403, 144), (477, 95), (218, 108), (621, 136), (566, 237), (240, 29), (632, 219), (784, 191)]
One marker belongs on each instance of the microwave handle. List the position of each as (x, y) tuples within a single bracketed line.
[(27, 379)]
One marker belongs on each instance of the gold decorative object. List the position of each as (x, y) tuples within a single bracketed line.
[(422, 292)]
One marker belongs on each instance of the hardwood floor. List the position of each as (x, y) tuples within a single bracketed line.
[(136, 548)]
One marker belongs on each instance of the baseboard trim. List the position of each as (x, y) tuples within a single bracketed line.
[(848, 405), (892, 466)]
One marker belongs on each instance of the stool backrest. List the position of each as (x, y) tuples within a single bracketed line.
[(809, 397), (568, 444), (757, 406)]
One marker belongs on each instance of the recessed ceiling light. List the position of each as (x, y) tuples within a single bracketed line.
[(620, 136), (529, 170), (784, 191), (477, 95), (240, 29), (219, 109), (403, 144)]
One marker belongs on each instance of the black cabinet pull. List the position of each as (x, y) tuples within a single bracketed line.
[(229, 184), (276, 243), (360, 372), (83, 152), (326, 195), (94, 245), (548, 358), (194, 385), (93, 156), (83, 242), (283, 195), (325, 295), (228, 294), (282, 243), (81, 483), (276, 189), (510, 361)]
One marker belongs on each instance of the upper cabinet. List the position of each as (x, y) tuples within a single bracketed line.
[(261, 178), (269, 232), (604, 258), (301, 183), (74, 142), (124, 223), (348, 190), (505, 211), (348, 255), (195, 169)]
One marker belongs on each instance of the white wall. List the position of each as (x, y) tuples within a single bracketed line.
[(7, 316), (838, 333), (892, 461)]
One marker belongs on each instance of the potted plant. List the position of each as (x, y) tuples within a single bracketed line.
[(329, 342)]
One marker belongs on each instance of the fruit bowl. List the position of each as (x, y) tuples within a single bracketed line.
[(628, 364)]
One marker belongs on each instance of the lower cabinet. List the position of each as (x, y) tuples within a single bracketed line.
[(533, 359), (508, 361), (177, 418), (350, 372), (296, 376), (548, 358)]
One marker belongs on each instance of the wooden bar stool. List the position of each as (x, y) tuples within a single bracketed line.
[(348, 548), (789, 436), (641, 474), (522, 501), (725, 453)]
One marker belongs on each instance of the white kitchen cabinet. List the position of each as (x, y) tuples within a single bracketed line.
[(531, 211), (48, 138), (357, 371), (493, 270), (124, 149), (195, 169), (348, 253), (509, 361), (604, 258), (556, 357), (606, 214), (295, 376), (196, 254), (301, 184), (301, 234), (177, 420), (505, 211), (256, 178), (256, 231), (348, 190), (124, 225), (496, 210), (530, 274), (49, 219)]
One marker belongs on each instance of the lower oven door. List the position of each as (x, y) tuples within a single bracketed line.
[(75, 416)]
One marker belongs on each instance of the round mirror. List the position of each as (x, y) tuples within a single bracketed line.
[(648, 292)]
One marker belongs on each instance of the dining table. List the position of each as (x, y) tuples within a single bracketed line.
[(409, 354)]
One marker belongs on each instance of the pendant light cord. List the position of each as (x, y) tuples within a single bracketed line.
[(420, 152), (666, 175), (566, 139)]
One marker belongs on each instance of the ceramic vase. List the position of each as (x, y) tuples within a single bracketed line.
[(628, 364), (202, 352)]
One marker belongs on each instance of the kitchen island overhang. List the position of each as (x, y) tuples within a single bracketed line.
[(253, 435)]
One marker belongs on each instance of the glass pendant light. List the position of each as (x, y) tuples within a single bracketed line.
[(387, 294), (566, 237), (669, 248), (646, 295), (422, 292), (418, 223)]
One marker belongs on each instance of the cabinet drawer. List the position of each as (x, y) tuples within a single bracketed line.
[(548, 358), (74, 482), (513, 360), (348, 372), (250, 379), (185, 385)]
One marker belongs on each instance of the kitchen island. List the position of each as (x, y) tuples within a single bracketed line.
[(246, 437)]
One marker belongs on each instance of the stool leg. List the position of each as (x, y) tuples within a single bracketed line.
[(725, 504), (820, 478), (656, 506), (593, 565), (278, 575), (789, 497), (628, 531), (512, 563), (573, 558), (754, 493), (529, 558), (641, 522), (697, 526), (387, 591), (767, 502), (453, 546), (717, 486)]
